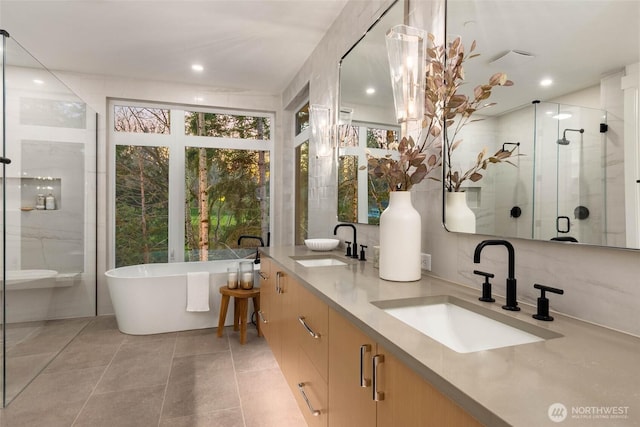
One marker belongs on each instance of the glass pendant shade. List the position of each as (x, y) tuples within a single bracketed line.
[(406, 49)]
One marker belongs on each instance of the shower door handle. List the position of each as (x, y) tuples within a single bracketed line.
[(5, 160), (568, 224)]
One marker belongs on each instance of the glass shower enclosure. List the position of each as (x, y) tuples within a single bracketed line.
[(570, 166), (48, 242)]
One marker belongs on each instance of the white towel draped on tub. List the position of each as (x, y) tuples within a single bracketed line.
[(198, 291)]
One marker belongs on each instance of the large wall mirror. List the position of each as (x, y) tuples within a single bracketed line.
[(367, 118), (573, 110)]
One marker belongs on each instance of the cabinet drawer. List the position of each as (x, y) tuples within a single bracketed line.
[(313, 330), (311, 393), (266, 298)]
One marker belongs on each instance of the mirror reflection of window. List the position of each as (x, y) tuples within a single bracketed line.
[(366, 93), (362, 197)]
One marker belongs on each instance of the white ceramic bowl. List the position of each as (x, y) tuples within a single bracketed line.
[(322, 244)]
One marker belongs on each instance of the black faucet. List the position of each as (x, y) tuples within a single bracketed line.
[(244, 236), (354, 253), (512, 303)]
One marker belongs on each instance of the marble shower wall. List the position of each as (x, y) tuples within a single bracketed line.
[(50, 137)]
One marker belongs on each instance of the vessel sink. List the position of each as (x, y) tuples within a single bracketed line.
[(463, 326), (320, 260)]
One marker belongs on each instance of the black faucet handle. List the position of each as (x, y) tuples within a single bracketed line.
[(348, 245), (487, 276), (544, 288), (543, 302), (486, 286), (362, 248)]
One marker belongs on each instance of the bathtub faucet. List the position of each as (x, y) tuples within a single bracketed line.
[(244, 236)]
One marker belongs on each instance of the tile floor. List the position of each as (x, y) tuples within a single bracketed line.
[(191, 379), (30, 347)]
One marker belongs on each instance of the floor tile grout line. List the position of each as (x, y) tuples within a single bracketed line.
[(49, 361), (93, 390), (166, 386), (235, 377)]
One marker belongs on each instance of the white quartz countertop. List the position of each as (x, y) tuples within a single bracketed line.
[(593, 371)]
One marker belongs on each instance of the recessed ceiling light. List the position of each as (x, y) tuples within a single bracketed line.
[(546, 82), (38, 81), (370, 91), (197, 67)]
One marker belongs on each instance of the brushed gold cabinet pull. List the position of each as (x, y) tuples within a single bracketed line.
[(314, 412), (263, 275), (311, 332), (377, 395), (278, 287), (364, 349)]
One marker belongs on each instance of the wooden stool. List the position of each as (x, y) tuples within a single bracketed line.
[(240, 308)]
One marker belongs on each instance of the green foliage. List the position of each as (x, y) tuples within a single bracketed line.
[(237, 187), (233, 186), (141, 169), (226, 125), (348, 189)]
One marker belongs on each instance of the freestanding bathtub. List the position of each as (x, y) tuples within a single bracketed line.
[(152, 298)]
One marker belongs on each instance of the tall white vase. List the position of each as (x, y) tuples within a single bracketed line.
[(458, 216), (400, 234)]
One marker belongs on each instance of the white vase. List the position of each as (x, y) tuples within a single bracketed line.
[(400, 234), (458, 216)]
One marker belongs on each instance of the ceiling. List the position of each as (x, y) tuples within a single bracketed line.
[(259, 45), (253, 45)]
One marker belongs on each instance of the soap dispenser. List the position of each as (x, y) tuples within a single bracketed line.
[(50, 202)]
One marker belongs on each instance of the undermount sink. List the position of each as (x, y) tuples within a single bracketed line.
[(463, 326), (320, 260)]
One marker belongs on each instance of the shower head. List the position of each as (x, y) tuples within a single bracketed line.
[(564, 140)]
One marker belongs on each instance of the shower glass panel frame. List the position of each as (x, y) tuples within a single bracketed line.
[(49, 274)]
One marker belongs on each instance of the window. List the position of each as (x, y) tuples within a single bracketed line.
[(141, 119), (301, 142), (142, 204), (227, 125), (226, 197), (187, 188)]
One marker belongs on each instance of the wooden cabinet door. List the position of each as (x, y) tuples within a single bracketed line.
[(351, 401), (287, 319), (270, 305), (410, 401), (310, 391), (312, 329)]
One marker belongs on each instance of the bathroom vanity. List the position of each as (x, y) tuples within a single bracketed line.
[(349, 362)]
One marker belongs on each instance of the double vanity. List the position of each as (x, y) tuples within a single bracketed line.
[(359, 350)]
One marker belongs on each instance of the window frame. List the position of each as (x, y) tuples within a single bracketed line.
[(176, 141)]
